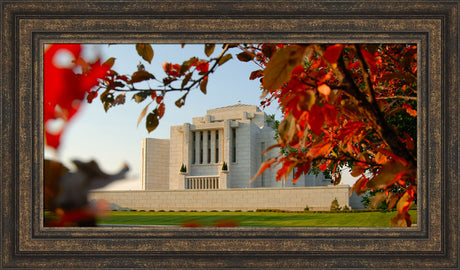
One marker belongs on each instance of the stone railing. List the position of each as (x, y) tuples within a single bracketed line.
[(202, 182)]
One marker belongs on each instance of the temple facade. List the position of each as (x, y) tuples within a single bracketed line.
[(194, 156)]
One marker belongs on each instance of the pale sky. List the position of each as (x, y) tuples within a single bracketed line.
[(113, 138)]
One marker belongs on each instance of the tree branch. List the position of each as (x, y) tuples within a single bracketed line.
[(385, 131), (398, 97)]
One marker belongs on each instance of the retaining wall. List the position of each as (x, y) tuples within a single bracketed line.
[(294, 199)]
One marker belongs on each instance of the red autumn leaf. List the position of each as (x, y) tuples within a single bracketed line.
[(323, 166), (172, 70), (53, 140), (161, 110), (202, 66), (315, 119), (159, 99), (91, 78), (370, 59), (330, 114), (332, 53), (64, 89), (91, 95)]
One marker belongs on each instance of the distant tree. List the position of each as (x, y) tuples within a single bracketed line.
[(343, 105)]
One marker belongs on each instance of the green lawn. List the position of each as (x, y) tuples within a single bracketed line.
[(257, 219)]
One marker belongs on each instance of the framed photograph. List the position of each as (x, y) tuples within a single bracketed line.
[(28, 26)]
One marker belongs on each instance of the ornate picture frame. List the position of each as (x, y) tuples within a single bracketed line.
[(28, 25)]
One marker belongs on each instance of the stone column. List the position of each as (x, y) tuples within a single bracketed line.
[(187, 150), (223, 175), (181, 180), (197, 147), (205, 147), (213, 146), (226, 141), (226, 150)]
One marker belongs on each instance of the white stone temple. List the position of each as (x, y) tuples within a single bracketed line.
[(236, 135)]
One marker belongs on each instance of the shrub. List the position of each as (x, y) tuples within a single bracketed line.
[(335, 205), (346, 208), (183, 168), (224, 166), (306, 208)]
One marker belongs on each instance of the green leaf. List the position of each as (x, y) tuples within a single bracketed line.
[(209, 49), (145, 51), (203, 85), (152, 121), (140, 76), (224, 59), (109, 62), (143, 113)]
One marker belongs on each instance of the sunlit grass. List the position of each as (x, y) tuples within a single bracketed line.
[(255, 219)]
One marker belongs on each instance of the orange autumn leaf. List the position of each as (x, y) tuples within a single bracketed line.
[(264, 166), (279, 68), (324, 89), (386, 176)]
